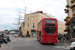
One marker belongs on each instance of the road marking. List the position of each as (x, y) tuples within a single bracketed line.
[(65, 47), (58, 46)]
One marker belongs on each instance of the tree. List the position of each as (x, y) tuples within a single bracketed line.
[(6, 30), (20, 28)]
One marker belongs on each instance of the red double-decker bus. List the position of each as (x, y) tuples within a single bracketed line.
[(47, 31)]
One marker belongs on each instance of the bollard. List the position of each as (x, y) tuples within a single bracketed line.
[(0, 45)]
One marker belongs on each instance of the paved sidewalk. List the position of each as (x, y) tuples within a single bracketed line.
[(64, 44)]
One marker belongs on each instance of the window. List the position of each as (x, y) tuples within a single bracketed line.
[(27, 19), (27, 25), (68, 1), (49, 21), (50, 30), (74, 11), (33, 25), (32, 18), (40, 33)]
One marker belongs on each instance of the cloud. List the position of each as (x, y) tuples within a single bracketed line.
[(9, 9)]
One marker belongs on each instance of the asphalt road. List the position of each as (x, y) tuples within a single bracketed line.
[(29, 44)]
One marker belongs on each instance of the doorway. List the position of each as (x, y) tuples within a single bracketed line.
[(27, 33)]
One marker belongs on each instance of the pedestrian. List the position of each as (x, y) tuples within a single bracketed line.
[(63, 38), (12, 35), (34, 35), (29, 36), (15, 35), (2, 35), (59, 37), (0, 45), (0, 38), (66, 39), (25, 35)]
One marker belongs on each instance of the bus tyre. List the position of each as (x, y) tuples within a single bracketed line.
[(42, 43)]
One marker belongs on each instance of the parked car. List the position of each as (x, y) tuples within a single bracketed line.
[(72, 46)]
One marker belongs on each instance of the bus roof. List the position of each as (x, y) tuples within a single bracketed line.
[(46, 18), (49, 18)]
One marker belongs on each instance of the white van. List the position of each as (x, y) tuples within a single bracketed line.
[(72, 46)]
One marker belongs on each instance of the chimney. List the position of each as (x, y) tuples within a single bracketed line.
[(39, 12)]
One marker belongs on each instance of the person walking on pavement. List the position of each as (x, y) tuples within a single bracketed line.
[(12, 35), (29, 35), (63, 38), (66, 39), (25, 35), (34, 35), (59, 37)]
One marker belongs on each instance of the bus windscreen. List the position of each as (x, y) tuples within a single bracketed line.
[(50, 30)]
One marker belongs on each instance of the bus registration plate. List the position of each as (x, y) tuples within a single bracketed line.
[(49, 42)]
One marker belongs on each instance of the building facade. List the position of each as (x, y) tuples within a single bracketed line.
[(70, 19), (31, 21), (61, 27), (22, 27)]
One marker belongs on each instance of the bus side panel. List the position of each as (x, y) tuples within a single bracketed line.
[(42, 33), (39, 36)]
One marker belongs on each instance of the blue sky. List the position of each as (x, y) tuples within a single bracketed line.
[(9, 10)]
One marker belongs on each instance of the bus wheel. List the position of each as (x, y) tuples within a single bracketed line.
[(42, 43)]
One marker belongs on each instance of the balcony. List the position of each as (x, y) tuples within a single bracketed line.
[(73, 19), (73, 28), (67, 6), (72, 1), (67, 19), (73, 14), (67, 29), (66, 10), (72, 6)]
